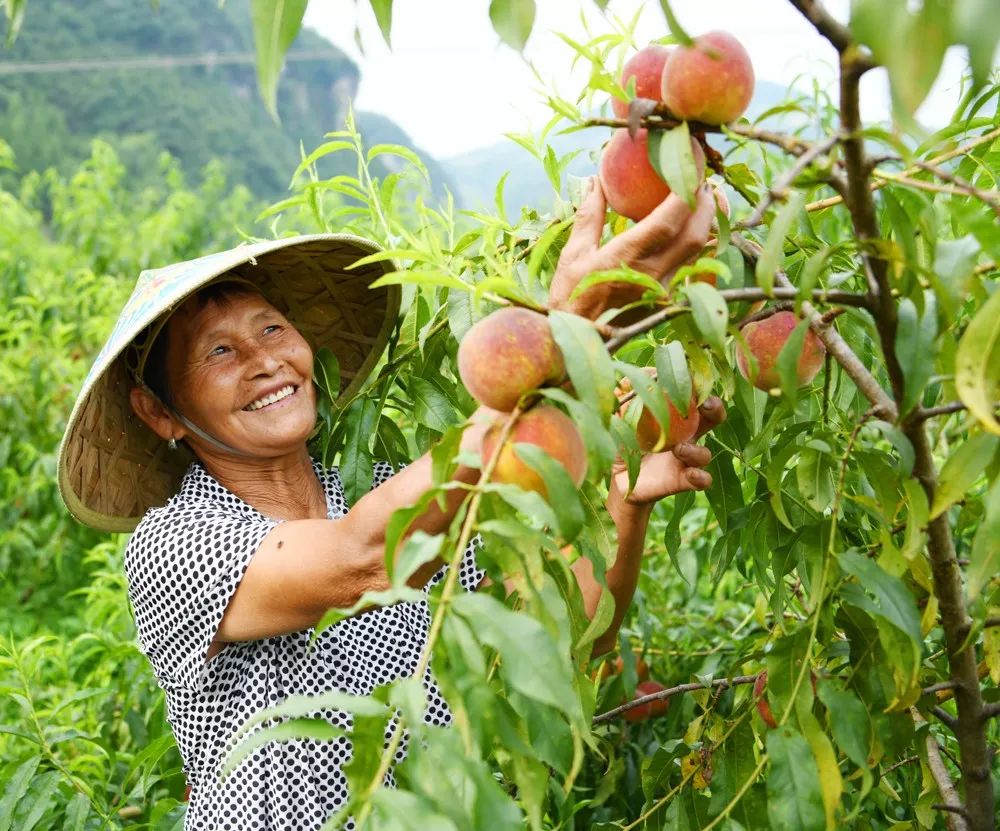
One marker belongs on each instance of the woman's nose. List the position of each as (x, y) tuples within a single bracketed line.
[(260, 359)]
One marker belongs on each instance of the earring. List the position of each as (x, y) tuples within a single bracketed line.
[(172, 443)]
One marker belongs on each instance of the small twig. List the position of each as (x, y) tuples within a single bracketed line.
[(943, 779), (990, 197), (991, 622), (826, 24), (661, 119), (908, 760), (985, 138), (941, 409), (940, 687), (780, 188), (945, 717), (991, 710), (764, 314), (663, 694)]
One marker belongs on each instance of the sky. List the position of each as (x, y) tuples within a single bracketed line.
[(452, 85)]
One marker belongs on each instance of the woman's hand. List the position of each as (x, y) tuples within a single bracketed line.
[(658, 245), (673, 471)]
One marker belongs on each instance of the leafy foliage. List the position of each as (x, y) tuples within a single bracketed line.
[(811, 555)]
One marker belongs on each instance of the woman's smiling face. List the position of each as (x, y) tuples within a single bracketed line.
[(241, 372)]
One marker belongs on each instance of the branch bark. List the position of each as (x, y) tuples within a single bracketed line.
[(956, 820), (721, 683)]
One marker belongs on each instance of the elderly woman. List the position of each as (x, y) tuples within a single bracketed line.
[(192, 425)]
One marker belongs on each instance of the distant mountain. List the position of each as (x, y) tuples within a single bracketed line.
[(180, 79), (476, 173)]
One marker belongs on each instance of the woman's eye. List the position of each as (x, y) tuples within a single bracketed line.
[(274, 327), (219, 350)]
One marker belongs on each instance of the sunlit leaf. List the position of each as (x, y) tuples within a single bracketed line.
[(977, 364), (275, 25)]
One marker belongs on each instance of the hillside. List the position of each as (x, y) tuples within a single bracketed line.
[(196, 112)]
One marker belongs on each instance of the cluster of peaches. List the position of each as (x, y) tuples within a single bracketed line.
[(512, 352)]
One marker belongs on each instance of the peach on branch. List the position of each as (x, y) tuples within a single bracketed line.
[(617, 667), (547, 428), (631, 184), (652, 708), (507, 354), (646, 66), (711, 80), (650, 434), (764, 341)]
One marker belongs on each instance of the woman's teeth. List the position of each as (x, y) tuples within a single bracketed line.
[(284, 392)]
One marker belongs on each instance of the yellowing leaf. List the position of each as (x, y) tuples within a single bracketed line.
[(977, 364)]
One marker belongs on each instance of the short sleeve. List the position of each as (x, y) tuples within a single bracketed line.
[(184, 563)]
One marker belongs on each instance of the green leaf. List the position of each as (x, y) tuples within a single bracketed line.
[(563, 494), (77, 812), (420, 278), (774, 248), (915, 348), (814, 473), (674, 25), (673, 375), (356, 468), (530, 663), (275, 25), (15, 18), (794, 798), (16, 787), (513, 21), (587, 361), (977, 25), (647, 390), (954, 262), (543, 244), (726, 494), (894, 602), (848, 720), (787, 361), (962, 469), (977, 364), (711, 314), (327, 373), (672, 158), (40, 798), (398, 149), (431, 406), (383, 16), (984, 559), (394, 810)]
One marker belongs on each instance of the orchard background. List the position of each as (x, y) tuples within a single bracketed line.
[(849, 546)]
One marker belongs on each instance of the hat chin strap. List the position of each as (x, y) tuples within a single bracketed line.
[(207, 437)]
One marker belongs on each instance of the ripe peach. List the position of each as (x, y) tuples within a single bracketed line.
[(633, 188), (710, 81), (653, 708), (646, 66), (616, 667), (649, 432), (765, 338), (507, 354), (548, 428)]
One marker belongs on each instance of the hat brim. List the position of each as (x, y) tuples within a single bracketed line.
[(112, 468)]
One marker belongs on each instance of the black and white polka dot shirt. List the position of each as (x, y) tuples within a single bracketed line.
[(184, 562)]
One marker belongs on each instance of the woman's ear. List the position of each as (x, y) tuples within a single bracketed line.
[(151, 411)]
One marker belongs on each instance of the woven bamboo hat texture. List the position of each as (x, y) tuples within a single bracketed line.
[(112, 467)]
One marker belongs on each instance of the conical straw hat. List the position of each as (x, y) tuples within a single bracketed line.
[(112, 467)]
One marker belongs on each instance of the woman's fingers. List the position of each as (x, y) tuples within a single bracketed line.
[(712, 413), (667, 238), (699, 479), (692, 455), (585, 236)]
